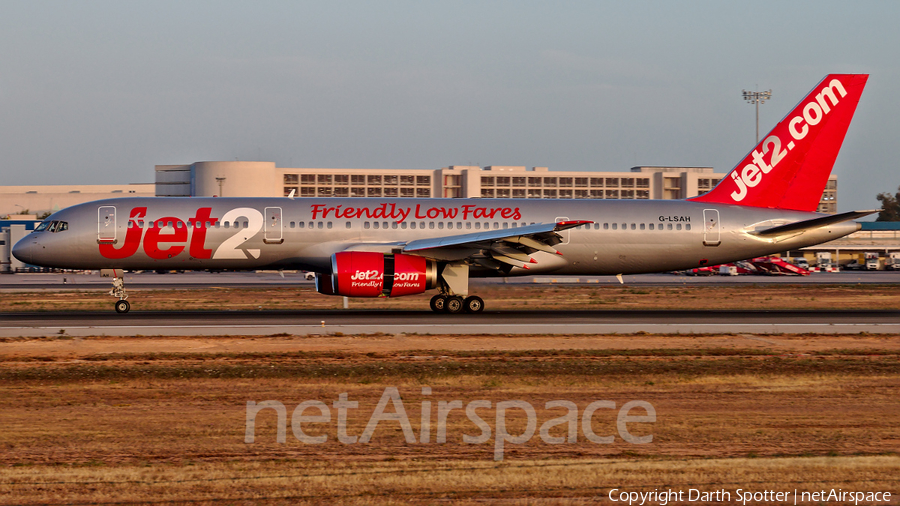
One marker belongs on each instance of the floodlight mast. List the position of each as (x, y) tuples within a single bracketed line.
[(757, 97)]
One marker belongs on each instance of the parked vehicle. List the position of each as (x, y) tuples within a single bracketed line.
[(823, 260), (801, 262), (871, 261), (854, 266), (892, 261)]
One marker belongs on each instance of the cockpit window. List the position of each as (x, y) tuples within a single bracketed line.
[(53, 226)]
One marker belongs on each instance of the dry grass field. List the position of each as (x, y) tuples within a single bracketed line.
[(111, 420), (496, 296)]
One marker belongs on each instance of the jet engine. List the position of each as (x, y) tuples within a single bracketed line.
[(370, 274)]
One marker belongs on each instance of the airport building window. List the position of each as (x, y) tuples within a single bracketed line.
[(597, 182), (291, 179), (407, 180), (627, 194), (324, 191), (407, 192), (390, 192), (423, 192), (627, 182), (289, 189), (550, 181), (549, 194), (390, 180), (519, 194), (534, 194), (487, 181), (503, 193), (565, 194), (308, 178), (596, 194), (324, 179), (341, 179), (534, 181), (518, 181), (373, 192), (642, 194), (357, 179), (643, 182), (612, 194), (487, 192), (374, 180), (307, 191), (503, 181), (612, 181), (342, 192), (423, 180), (357, 192)]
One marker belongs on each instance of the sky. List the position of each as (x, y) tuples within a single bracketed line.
[(98, 92)]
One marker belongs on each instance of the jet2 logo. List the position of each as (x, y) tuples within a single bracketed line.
[(372, 275), (810, 114), (168, 236)]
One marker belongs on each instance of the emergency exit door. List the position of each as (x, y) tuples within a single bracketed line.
[(106, 224), (711, 227), (274, 227)]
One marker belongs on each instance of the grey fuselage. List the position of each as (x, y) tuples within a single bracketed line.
[(303, 233)]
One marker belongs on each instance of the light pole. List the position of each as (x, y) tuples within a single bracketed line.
[(757, 97), (221, 180)]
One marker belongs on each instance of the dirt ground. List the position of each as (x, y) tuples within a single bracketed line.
[(102, 420)]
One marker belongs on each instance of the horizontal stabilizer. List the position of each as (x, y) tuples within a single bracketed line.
[(814, 223)]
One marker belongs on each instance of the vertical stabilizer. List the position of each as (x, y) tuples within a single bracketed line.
[(790, 167)]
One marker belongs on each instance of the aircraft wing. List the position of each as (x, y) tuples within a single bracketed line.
[(508, 246)]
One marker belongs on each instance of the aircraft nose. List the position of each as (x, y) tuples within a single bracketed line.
[(24, 249)]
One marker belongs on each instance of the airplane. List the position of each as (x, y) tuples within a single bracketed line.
[(366, 247)]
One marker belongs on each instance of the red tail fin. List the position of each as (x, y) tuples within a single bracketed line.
[(790, 167)]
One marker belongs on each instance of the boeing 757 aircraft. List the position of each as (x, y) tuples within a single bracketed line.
[(391, 247)]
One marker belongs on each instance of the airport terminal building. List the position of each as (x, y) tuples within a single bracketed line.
[(264, 179)]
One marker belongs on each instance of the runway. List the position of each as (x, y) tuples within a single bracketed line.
[(350, 322)]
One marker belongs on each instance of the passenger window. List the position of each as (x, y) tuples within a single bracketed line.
[(478, 226), (375, 225), (310, 224), (431, 224), (615, 226), (348, 224), (403, 225), (642, 226), (468, 225), (384, 225), (366, 225), (412, 225), (669, 226), (651, 226), (496, 225), (302, 224), (633, 227), (394, 225), (678, 227), (329, 224), (292, 224), (687, 226), (606, 226), (505, 225), (440, 225), (320, 225), (624, 226)]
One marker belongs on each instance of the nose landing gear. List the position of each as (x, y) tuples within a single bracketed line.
[(118, 289)]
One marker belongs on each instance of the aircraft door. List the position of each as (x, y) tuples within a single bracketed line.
[(274, 226), (106, 224), (564, 233), (711, 228)]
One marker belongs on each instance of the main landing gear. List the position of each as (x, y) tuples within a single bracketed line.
[(455, 304)]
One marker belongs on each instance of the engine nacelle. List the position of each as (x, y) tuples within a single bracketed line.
[(370, 274)]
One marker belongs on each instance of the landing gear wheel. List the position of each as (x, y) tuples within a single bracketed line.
[(122, 306), (437, 303), (454, 305), (474, 304)]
